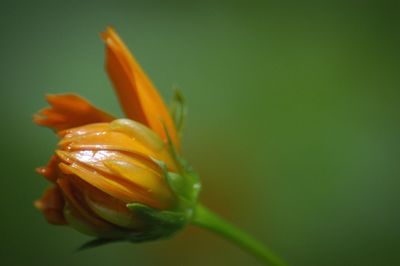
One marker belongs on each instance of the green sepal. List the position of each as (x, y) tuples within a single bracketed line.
[(185, 185), (178, 110), (97, 242), (159, 224), (175, 181)]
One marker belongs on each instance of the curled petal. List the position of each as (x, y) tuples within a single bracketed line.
[(106, 140), (69, 110), (115, 187), (100, 204), (153, 183), (83, 130), (111, 209), (138, 96), (50, 171), (78, 212), (138, 131), (99, 159), (52, 204), (122, 135)]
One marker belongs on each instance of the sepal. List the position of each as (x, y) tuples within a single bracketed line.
[(97, 242), (178, 110), (159, 224), (185, 183)]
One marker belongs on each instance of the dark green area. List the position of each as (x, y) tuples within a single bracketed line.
[(293, 122)]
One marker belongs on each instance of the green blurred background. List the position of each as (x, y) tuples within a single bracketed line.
[(293, 122)]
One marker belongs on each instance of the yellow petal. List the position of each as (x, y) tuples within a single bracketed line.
[(135, 139), (111, 210), (138, 131), (153, 183), (124, 191), (123, 169), (82, 130), (98, 160), (103, 205), (106, 141), (78, 208)]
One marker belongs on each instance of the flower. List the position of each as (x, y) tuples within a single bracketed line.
[(117, 178), (124, 179)]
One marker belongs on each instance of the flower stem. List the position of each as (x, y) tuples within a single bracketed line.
[(207, 219)]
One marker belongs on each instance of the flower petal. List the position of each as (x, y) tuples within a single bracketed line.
[(106, 140), (50, 171), (138, 131), (111, 209), (69, 110), (122, 135), (137, 95), (154, 184), (83, 130), (127, 192), (97, 159), (77, 206), (52, 205), (101, 204)]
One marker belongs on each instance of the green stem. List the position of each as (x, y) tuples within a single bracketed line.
[(206, 219)]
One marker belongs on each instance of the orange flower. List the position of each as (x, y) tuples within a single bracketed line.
[(124, 179), (103, 164)]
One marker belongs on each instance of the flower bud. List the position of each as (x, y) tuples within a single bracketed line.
[(99, 169), (118, 179)]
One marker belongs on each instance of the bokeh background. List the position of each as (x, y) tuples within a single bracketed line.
[(293, 122)]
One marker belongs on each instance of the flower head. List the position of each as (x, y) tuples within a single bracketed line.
[(117, 178)]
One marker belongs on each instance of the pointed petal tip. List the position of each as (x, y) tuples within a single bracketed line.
[(107, 33), (37, 119), (38, 204), (41, 170), (104, 36), (68, 111), (64, 156), (50, 95), (51, 204), (66, 169)]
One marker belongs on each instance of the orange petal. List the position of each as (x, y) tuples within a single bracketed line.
[(102, 205), (154, 184), (50, 171), (122, 169), (98, 159), (106, 141), (138, 131), (82, 130), (67, 111), (78, 206), (124, 191), (52, 205), (122, 135), (137, 95), (111, 209)]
